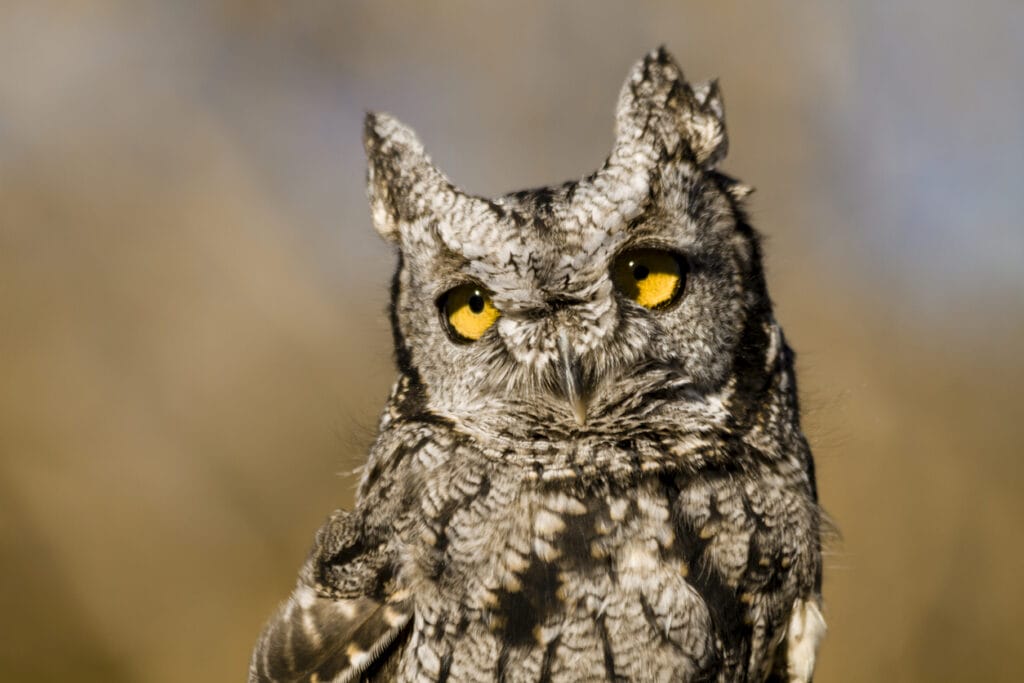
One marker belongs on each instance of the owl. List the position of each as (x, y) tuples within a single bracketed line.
[(591, 466)]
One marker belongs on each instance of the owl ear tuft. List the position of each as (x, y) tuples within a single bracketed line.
[(706, 126), (400, 175), (709, 96), (658, 107), (739, 191)]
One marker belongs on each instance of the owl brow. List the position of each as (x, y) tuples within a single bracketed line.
[(457, 268), (638, 221), (458, 260)]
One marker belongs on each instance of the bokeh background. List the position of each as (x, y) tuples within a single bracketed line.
[(193, 346)]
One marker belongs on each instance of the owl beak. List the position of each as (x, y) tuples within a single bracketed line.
[(571, 376)]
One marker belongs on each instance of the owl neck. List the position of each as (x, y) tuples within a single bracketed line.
[(749, 421)]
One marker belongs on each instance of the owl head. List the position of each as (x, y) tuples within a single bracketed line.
[(632, 296)]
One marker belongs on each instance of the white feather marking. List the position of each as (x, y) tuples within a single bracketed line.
[(617, 508), (638, 559), (560, 502), (545, 550), (305, 596), (655, 509), (428, 659), (805, 631), (357, 657), (516, 562), (548, 524), (311, 631), (393, 617), (347, 609)]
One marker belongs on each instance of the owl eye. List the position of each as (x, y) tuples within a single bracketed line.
[(653, 278), (468, 312)]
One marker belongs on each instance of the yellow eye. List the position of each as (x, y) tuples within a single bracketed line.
[(651, 277), (468, 312)]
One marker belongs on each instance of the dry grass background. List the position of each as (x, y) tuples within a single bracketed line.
[(192, 341)]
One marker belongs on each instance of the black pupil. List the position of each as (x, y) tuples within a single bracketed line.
[(640, 272), (476, 303)]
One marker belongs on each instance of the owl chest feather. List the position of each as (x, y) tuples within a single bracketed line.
[(662, 577)]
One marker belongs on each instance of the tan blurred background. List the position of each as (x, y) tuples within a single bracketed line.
[(193, 347)]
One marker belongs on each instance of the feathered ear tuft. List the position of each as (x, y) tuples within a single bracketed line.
[(646, 95), (709, 97), (739, 191), (706, 126), (656, 101), (400, 175), (411, 200)]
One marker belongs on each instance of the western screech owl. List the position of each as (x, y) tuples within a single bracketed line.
[(591, 466)]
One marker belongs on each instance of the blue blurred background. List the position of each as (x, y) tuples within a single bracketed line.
[(193, 346)]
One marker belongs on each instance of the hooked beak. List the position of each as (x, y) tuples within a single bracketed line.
[(571, 378)]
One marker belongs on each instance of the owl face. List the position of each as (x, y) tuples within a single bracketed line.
[(571, 310)]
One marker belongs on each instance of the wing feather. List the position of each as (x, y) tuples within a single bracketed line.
[(342, 618)]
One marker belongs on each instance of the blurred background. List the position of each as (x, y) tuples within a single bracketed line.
[(193, 346)]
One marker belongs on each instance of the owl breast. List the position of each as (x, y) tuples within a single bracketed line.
[(666, 577)]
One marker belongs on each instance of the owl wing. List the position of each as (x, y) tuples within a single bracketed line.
[(344, 618)]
